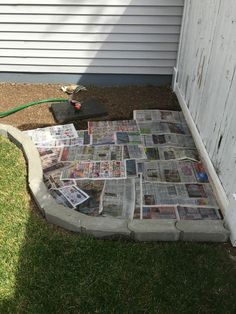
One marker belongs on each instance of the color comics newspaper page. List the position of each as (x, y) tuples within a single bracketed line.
[(92, 153), (168, 171), (112, 126), (198, 213), (57, 132), (49, 157), (95, 170), (162, 194), (95, 191), (119, 198), (158, 115), (128, 138), (134, 152), (74, 195), (161, 212), (171, 153), (160, 140), (162, 127)]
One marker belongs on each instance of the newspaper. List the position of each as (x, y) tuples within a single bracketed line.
[(158, 127), (158, 115), (103, 137), (95, 170), (60, 198), (172, 171), (94, 189), (170, 153), (83, 137), (54, 180), (112, 126), (134, 152), (132, 138), (160, 212), (178, 140), (138, 199), (131, 168), (52, 134), (163, 194), (92, 153), (74, 195), (49, 157), (119, 198), (198, 213), (55, 168)]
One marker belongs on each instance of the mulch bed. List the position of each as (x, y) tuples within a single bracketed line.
[(119, 101)]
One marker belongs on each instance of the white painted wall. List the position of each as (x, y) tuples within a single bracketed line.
[(90, 36), (206, 82)]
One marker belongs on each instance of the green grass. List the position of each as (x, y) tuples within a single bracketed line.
[(46, 270)]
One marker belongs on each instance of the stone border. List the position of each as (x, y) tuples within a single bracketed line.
[(141, 230)]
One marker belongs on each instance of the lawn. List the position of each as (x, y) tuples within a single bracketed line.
[(44, 269)]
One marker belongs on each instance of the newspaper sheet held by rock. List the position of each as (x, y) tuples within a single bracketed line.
[(128, 138), (172, 171), (158, 115), (94, 170), (184, 194), (45, 136), (171, 153), (171, 140), (119, 198), (92, 153), (158, 127)]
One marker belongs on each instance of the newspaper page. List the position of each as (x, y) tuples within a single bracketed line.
[(160, 212), (112, 126), (158, 115), (95, 170), (83, 137), (170, 171), (60, 198), (92, 153), (128, 138), (163, 127), (59, 143), (161, 140), (54, 180), (159, 194), (138, 199), (60, 166), (131, 168), (103, 137), (52, 133), (198, 213), (134, 152), (119, 198), (171, 153), (95, 191), (74, 195), (48, 156)]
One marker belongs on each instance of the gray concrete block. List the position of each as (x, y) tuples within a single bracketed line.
[(202, 231), (102, 227), (154, 230), (3, 130), (15, 135)]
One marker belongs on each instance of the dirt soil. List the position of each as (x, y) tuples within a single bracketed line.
[(119, 101)]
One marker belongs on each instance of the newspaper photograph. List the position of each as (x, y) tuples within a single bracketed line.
[(60, 198), (161, 212), (112, 126), (95, 170), (131, 168), (128, 138), (198, 213), (156, 194), (74, 195), (200, 172), (48, 156), (57, 132), (158, 115), (169, 171), (103, 137), (119, 198), (171, 153), (163, 127), (134, 152), (92, 153), (161, 140), (95, 191)]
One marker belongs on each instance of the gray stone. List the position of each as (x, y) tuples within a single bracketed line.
[(154, 230), (3, 130), (15, 135), (202, 230)]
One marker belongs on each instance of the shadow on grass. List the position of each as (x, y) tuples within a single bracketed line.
[(60, 272)]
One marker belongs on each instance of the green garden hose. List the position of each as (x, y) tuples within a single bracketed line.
[(13, 110)]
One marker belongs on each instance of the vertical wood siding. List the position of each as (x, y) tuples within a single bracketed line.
[(207, 80), (90, 36)]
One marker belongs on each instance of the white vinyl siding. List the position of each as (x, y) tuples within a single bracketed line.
[(90, 36)]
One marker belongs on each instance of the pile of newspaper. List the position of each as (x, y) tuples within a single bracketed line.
[(145, 168)]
